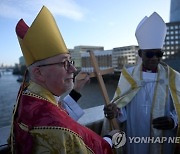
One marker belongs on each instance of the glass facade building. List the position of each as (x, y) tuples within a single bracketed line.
[(175, 11), (172, 41)]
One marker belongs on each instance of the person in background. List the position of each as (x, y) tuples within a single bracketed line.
[(39, 123), (147, 99)]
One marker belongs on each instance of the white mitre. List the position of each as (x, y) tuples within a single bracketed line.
[(150, 32)]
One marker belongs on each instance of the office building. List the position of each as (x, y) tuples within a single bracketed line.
[(126, 55)]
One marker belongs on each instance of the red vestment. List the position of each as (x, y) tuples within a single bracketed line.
[(41, 126)]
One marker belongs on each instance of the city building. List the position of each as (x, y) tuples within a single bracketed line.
[(78, 50), (175, 11), (126, 55), (172, 41), (116, 58), (21, 61), (104, 59)]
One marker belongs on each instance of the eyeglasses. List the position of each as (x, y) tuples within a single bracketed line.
[(66, 64), (150, 54)]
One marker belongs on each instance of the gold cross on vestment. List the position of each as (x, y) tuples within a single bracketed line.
[(146, 106)]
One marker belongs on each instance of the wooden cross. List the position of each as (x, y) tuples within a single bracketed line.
[(98, 73), (93, 74)]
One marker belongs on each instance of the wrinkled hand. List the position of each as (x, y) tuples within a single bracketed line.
[(111, 111), (80, 80), (163, 123)]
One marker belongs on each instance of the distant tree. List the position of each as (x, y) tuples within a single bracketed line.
[(19, 70), (16, 70)]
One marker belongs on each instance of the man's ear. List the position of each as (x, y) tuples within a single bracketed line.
[(140, 53), (37, 73)]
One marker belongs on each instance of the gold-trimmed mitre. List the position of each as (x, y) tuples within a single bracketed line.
[(42, 39), (151, 32)]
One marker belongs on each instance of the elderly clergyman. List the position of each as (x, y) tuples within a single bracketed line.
[(39, 124)]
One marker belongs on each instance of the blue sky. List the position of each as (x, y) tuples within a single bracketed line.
[(108, 23)]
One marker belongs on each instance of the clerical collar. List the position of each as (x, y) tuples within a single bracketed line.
[(56, 98), (149, 71)]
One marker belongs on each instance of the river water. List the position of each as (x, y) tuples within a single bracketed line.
[(91, 95), (8, 92)]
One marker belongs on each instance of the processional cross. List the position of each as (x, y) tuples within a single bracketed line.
[(98, 73)]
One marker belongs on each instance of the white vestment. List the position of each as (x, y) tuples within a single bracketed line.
[(71, 106), (137, 115)]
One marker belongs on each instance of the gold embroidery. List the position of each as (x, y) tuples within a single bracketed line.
[(129, 79), (173, 89), (34, 95), (58, 140)]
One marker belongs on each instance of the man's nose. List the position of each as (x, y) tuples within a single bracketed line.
[(155, 57), (72, 69)]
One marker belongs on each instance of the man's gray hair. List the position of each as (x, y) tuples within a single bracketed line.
[(36, 64)]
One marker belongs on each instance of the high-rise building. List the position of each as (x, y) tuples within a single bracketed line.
[(175, 11), (172, 41), (22, 61)]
